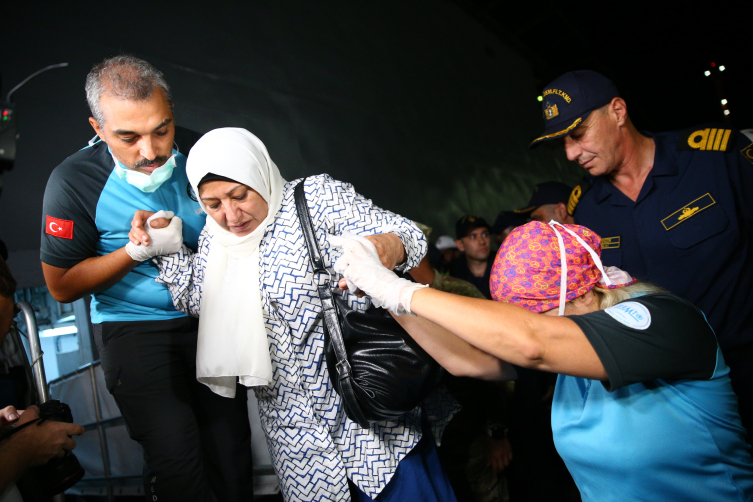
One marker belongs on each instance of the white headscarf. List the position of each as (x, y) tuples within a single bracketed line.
[(232, 340)]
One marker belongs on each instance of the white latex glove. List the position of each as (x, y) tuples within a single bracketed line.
[(616, 276), (360, 265), (161, 240)]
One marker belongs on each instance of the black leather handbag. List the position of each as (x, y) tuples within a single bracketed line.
[(379, 371)]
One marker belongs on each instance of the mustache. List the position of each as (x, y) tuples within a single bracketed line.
[(160, 159)]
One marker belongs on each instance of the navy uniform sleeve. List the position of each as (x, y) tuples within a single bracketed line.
[(651, 337), (69, 231)]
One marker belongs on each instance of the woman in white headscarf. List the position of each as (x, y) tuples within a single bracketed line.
[(251, 285)]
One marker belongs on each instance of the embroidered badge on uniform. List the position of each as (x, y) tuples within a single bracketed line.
[(551, 111), (688, 211), (709, 139), (747, 152), (610, 242)]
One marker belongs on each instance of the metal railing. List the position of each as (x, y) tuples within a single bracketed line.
[(36, 365)]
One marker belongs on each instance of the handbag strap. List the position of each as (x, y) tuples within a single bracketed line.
[(329, 309)]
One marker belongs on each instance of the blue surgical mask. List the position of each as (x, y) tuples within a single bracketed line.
[(147, 183)]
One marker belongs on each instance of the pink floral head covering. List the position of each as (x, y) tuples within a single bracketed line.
[(528, 268)]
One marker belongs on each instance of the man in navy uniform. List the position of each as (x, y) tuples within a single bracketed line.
[(674, 209), (196, 443)]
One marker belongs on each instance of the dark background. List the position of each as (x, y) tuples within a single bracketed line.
[(656, 52), (427, 107)]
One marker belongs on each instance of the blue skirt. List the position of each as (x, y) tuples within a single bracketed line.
[(418, 478)]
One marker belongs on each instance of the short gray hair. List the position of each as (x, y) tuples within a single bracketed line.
[(124, 77)]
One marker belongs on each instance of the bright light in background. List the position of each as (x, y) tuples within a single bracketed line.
[(66, 330), (540, 99), (721, 68), (707, 73), (726, 112), (724, 101)]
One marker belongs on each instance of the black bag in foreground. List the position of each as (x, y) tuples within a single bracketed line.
[(379, 371)]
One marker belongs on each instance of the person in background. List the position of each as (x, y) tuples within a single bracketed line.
[(197, 445), (473, 240), (506, 222), (474, 449), (14, 384), (548, 202), (537, 471), (675, 208), (448, 252), (7, 299)]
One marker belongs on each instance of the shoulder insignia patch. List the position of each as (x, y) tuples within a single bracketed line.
[(610, 242), (709, 139), (747, 152), (688, 211), (575, 196)]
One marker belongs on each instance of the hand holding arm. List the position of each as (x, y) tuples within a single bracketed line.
[(368, 274), (507, 332), (161, 241), (100, 272), (389, 248), (138, 234)]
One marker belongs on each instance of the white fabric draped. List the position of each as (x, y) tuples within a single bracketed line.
[(232, 343)]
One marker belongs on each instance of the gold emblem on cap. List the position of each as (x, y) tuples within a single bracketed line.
[(550, 111)]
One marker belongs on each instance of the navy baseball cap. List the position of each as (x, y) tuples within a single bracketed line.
[(570, 99), (549, 192), (467, 223), (507, 219)]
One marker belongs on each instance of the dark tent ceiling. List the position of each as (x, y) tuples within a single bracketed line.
[(425, 106)]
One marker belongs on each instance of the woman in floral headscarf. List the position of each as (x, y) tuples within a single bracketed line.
[(643, 408)]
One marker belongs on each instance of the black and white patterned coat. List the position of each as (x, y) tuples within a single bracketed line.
[(314, 446)]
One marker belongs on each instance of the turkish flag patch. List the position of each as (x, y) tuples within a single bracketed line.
[(59, 228)]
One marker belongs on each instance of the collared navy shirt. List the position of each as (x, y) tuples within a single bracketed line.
[(689, 231)]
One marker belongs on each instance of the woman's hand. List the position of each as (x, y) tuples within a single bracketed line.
[(138, 235), (160, 241), (389, 248)]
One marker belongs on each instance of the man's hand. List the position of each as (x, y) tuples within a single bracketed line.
[(138, 234), (9, 415), (499, 454), (163, 241), (37, 444), (390, 248)]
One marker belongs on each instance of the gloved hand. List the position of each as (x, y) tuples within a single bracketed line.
[(362, 268), (617, 277), (161, 240)]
